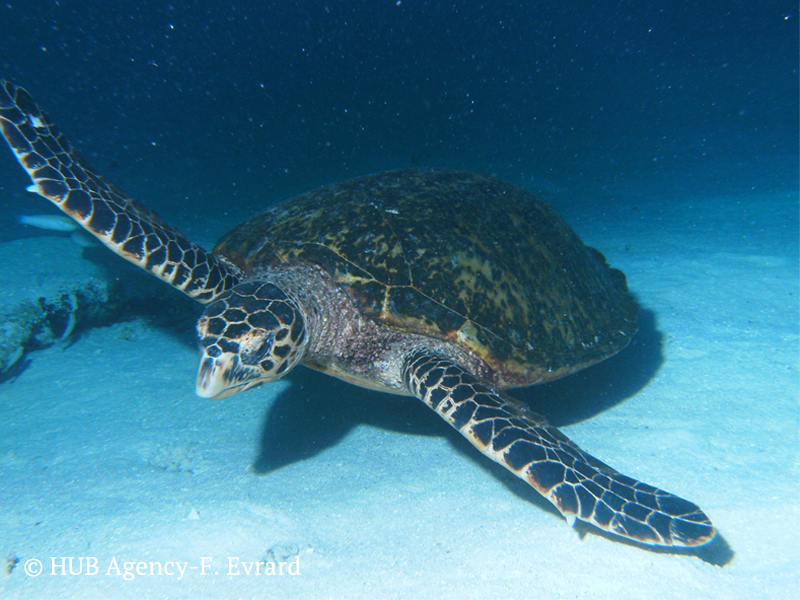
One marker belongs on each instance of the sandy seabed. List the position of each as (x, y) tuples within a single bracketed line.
[(107, 454)]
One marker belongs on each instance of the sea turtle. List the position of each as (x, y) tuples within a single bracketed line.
[(444, 285)]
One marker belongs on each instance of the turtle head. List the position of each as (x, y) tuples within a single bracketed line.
[(252, 334)]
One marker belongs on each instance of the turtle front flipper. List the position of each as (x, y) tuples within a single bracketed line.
[(118, 221), (579, 485)]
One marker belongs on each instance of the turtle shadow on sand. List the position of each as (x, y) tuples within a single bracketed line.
[(317, 411)]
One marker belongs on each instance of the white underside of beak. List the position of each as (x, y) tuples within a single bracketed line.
[(216, 391), (212, 381)]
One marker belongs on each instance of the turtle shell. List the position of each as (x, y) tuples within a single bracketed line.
[(457, 256)]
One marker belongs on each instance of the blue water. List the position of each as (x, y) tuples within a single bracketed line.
[(665, 132), (244, 102)]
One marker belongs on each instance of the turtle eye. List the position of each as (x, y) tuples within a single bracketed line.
[(255, 346)]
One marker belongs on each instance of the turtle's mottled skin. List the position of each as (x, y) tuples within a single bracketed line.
[(444, 285)]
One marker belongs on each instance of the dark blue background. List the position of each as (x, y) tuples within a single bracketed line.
[(238, 104)]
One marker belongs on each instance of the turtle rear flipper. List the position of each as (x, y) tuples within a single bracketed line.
[(118, 221), (579, 485)]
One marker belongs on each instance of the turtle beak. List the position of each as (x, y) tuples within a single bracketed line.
[(223, 376)]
